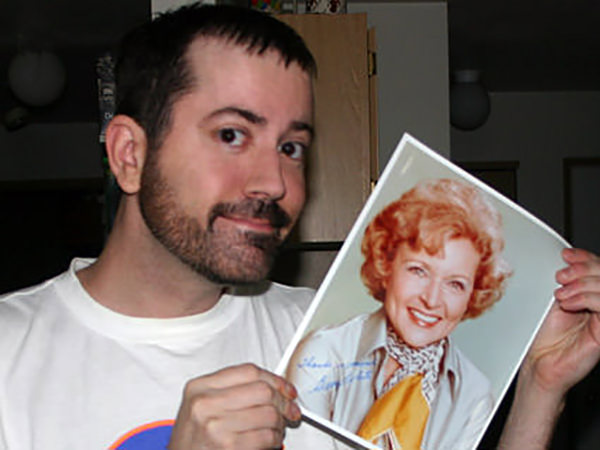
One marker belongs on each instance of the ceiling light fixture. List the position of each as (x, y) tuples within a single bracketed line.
[(469, 100), (37, 78)]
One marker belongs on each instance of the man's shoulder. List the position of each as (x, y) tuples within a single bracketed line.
[(22, 311), (23, 303), (291, 293), (273, 294), (27, 301)]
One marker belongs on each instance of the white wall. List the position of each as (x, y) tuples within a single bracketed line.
[(538, 130), (412, 71)]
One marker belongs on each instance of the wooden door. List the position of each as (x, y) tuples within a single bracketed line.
[(339, 164)]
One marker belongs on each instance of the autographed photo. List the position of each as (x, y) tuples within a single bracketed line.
[(427, 311)]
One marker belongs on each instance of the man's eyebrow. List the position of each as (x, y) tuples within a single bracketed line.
[(303, 126), (246, 114), (252, 117)]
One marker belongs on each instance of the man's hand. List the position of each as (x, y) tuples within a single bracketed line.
[(568, 345), (565, 350), (237, 407)]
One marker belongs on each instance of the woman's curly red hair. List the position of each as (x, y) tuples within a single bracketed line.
[(427, 216)]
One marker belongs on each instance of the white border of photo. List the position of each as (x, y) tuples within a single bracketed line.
[(495, 342)]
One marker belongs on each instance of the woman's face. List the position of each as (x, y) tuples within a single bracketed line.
[(427, 295)]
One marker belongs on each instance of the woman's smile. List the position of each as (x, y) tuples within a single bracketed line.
[(423, 319)]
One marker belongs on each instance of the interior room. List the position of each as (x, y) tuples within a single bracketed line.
[(533, 67)]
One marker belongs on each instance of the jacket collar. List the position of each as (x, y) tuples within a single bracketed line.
[(373, 337)]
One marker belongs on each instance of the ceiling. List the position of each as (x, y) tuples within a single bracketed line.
[(67, 23), (519, 45)]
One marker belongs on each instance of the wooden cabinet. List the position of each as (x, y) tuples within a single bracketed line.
[(342, 161)]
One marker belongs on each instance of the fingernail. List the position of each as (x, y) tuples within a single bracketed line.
[(563, 274), (291, 390), (294, 423), (562, 292)]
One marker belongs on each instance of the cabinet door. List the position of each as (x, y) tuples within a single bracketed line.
[(338, 166)]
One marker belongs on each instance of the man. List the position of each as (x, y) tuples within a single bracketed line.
[(214, 115), (213, 119)]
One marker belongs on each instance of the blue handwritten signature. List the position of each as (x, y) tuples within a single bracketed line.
[(345, 373), (326, 383), (311, 362)]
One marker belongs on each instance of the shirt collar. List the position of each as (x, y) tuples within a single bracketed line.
[(373, 334)]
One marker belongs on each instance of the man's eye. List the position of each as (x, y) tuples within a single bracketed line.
[(294, 150), (232, 136)]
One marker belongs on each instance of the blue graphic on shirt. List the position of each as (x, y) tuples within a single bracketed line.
[(156, 438)]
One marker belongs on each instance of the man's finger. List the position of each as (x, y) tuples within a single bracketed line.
[(580, 301), (243, 420), (578, 270), (239, 375), (575, 255), (259, 393), (230, 399)]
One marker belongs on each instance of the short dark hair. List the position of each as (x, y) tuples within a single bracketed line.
[(152, 72)]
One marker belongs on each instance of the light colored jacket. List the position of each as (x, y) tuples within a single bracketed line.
[(337, 370)]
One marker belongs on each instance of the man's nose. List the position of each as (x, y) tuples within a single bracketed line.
[(265, 175)]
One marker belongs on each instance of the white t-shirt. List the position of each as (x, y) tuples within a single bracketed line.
[(76, 375)]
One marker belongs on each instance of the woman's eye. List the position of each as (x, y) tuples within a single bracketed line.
[(232, 136), (458, 286), (416, 270), (294, 150)]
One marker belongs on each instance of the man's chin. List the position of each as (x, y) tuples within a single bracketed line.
[(238, 267), (235, 278)]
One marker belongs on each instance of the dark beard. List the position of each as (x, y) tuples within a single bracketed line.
[(224, 257)]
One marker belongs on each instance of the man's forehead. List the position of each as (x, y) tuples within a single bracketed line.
[(219, 59), (218, 45)]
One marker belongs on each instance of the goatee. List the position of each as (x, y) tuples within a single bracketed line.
[(224, 256)]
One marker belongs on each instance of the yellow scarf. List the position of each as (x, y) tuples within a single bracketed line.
[(398, 418)]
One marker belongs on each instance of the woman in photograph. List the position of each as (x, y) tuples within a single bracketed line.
[(394, 377)]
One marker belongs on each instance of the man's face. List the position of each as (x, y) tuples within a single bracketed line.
[(227, 184)]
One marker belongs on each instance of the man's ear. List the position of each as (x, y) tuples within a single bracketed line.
[(126, 148)]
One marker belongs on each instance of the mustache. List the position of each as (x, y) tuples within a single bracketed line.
[(252, 208)]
